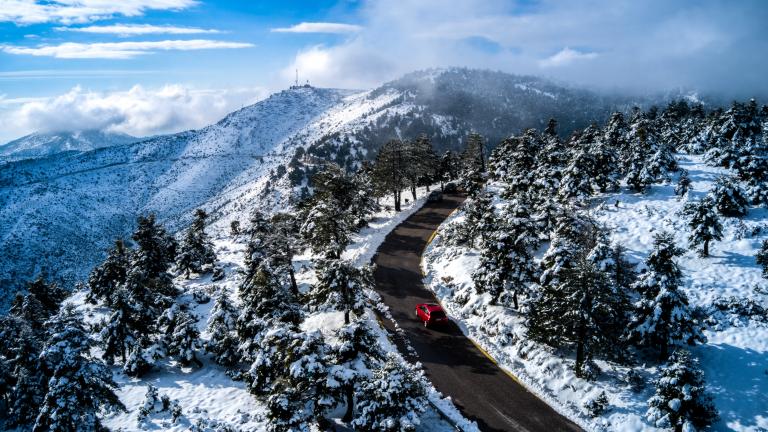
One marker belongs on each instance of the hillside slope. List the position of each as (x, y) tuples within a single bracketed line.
[(45, 144)]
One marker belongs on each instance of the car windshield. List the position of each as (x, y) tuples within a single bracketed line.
[(437, 314)]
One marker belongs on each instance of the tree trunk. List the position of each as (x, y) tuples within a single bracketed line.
[(427, 186), (350, 395), (397, 201), (706, 248), (664, 351), (294, 286), (413, 190), (346, 316), (514, 298)]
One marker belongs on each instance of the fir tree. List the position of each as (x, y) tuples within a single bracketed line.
[(180, 335), (327, 228), (257, 249), (762, 258), (505, 260), (341, 285), (683, 184), (49, 295), (357, 349), (681, 402), (234, 228), (283, 243), (79, 387), (704, 223), (106, 278), (389, 170), (662, 317), (222, 341), (583, 310), (391, 399), (196, 249), (729, 197), (23, 383)]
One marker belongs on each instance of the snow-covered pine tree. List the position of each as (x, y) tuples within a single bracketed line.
[(473, 164), (283, 243), (478, 213), (180, 337), (683, 183), (340, 285), (234, 228), (22, 381), (117, 333), (421, 163), (391, 399), (762, 258), (48, 294), (291, 369), (513, 161), (257, 248), (737, 133), (662, 318), (577, 177), (222, 342), (265, 301), (681, 402), (614, 137), (704, 223), (389, 170), (363, 202), (327, 228), (566, 243), (357, 349), (583, 310), (148, 280), (506, 263), (105, 279), (196, 252), (79, 387), (449, 168), (641, 142), (730, 199)]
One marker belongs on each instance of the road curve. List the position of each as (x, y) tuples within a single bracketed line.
[(478, 387)]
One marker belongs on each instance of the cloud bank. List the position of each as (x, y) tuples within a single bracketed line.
[(25, 12), (138, 111), (319, 27), (138, 29), (654, 45), (119, 50)]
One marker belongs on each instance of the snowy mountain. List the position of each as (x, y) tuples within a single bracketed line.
[(58, 213), (45, 144)]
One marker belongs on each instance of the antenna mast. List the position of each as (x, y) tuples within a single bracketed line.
[(297, 78)]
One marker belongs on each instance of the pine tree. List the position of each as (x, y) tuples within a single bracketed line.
[(257, 249), (449, 168), (583, 310), (577, 177), (283, 243), (641, 142), (105, 279), (49, 295), (234, 228), (681, 402), (391, 399), (327, 228), (79, 387), (222, 340), (357, 349), (118, 333), (340, 285), (704, 223), (363, 202), (23, 383), (662, 317), (473, 164), (180, 335), (762, 258), (478, 216), (196, 250), (729, 197), (506, 263), (683, 184), (390, 168), (421, 163)]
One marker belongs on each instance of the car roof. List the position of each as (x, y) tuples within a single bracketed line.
[(432, 306)]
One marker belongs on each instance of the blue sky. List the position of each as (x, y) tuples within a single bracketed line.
[(157, 66)]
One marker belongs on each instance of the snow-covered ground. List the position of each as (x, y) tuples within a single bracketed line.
[(208, 393), (734, 360)]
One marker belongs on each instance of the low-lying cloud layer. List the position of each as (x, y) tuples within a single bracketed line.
[(138, 111), (654, 45)]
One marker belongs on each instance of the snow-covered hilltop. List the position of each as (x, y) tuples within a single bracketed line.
[(45, 144), (58, 213)]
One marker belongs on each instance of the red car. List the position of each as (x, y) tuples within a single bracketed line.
[(430, 314)]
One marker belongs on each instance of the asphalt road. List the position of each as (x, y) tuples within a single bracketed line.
[(479, 388)]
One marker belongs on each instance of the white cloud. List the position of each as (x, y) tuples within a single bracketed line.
[(138, 29), (138, 111), (319, 27), (565, 57), (650, 45), (81, 11), (119, 50)]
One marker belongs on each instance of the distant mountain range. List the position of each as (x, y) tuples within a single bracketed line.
[(45, 144), (62, 208)]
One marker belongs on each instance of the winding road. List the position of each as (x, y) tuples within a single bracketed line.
[(481, 390)]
